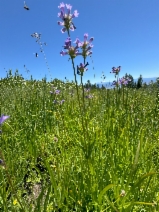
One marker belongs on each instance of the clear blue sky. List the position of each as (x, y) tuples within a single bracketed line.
[(126, 33)]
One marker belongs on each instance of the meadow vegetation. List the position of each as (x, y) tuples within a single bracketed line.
[(65, 147), (59, 158)]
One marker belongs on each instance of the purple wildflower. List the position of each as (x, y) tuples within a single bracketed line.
[(72, 51), (115, 83), (116, 70), (86, 46), (62, 101), (66, 17), (82, 68), (57, 91), (3, 118), (124, 81)]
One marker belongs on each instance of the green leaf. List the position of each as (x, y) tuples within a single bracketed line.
[(103, 192)]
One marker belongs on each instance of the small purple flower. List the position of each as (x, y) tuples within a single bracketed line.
[(124, 81), (115, 83), (82, 68), (72, 51), (66, 17), (116, 70), (3, 118), (67, 43), (86, 46), (57, 91), (62, 101)]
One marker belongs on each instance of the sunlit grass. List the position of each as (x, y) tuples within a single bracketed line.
[(57, 160)]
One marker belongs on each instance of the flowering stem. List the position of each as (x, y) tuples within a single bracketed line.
[(82, 84), (76, 82)]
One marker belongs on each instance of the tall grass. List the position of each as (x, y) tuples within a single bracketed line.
[(60, 157)]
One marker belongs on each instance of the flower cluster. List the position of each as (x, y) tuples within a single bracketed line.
[(72, 51), (124, 81), (56, 92), (85, 45), (66, 17), (121, 81), (116, 70), (69, 49), (82, 68)]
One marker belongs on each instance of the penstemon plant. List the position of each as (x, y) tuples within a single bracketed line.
[(81, 48), (73, 51)]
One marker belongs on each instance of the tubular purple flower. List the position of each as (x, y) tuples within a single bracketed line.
[(72, 51), (85, 36), (67, 43), (62, 53), (75, 14), (61, 15), (62, 6), (63, 30), (69, 7), (60, 23), (89, 47), (3, 118), (91, 39), (85, 45), (67, 17)]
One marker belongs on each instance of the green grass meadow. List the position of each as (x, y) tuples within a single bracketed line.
[(95, 154)]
